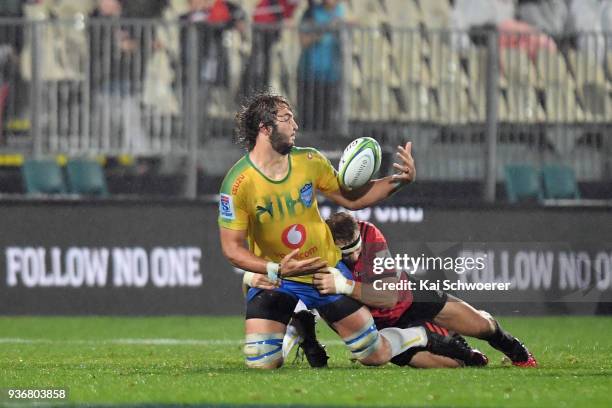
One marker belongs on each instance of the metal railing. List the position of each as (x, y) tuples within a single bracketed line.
[(471, 101)]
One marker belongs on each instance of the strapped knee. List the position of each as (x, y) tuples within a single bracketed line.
[(365, 342), (264, 350)]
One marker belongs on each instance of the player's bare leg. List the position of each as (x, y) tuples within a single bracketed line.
[(459, 316), (263, 343), (425, 359), (372, 347)]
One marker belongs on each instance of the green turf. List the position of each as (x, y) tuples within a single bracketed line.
[(84, 355)]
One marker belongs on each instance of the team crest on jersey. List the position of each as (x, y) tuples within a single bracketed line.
[(226, 207), (306, 194), (294, 236)]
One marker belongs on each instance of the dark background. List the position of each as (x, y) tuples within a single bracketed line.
[(443, 230)]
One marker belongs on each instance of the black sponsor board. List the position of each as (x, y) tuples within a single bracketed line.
[(140, 257), (511, 260), (128, 258)]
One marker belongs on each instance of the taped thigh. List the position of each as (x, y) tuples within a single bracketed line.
[(263, 350)]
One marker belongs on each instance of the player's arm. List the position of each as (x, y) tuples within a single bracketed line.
[(234, 249), (333, 282), (377, 190)]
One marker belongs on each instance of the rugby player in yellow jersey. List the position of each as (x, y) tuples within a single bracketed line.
[(268, 199)]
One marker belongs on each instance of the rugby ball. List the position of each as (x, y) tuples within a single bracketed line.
[(360, 161)]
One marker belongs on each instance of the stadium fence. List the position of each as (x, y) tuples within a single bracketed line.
[(472, 102)]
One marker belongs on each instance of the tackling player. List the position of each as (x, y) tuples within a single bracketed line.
[(268, 199), (387, 307), (360, 243)]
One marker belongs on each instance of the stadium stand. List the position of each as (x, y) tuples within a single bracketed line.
[(522, 183), (559, 182), (43, 176), (558, 87), (414, 67), (593, 90), (86, 177), (436, 13)]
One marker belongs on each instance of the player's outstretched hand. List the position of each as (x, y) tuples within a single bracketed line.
[(291, 267), (406, 165)]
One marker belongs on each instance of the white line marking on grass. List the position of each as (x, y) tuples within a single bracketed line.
[(138, 342)]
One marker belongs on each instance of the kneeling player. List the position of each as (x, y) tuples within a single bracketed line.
[(301, 332), (360, 243)]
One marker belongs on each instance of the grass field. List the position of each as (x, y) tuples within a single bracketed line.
[(198, 360)]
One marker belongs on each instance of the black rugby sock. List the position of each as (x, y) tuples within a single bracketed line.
[(507, 344)]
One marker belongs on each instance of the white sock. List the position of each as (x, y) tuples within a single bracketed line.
[(290, 340), (403, 339), (299, 307)]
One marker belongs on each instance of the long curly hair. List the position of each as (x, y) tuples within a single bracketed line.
[(258, 111)]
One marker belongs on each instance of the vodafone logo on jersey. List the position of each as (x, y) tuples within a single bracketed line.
[(294, 236)]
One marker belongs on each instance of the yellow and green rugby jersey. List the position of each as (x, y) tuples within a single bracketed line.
[(280, 216)]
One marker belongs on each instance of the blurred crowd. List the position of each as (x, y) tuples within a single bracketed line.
[(123, 57), (551, 23)]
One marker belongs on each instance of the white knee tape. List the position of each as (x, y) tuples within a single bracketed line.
[(365, 342), (263, 349)]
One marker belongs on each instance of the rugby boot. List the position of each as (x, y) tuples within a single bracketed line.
[(313, 350), (530, 362), (440, 342), (511, 347), (477, 358)]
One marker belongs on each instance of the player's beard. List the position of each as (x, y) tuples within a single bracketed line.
[(280, 143)]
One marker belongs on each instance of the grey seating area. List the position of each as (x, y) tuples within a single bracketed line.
[(450, 76)]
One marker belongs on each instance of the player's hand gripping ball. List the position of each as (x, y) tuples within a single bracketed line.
[(360, 161)]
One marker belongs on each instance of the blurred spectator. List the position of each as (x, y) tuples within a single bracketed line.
[(606, 23), (211, 18), (476, 15), (467, 14), (588, 19), (268, 18), (606, 20), (320, 64), (11, 43), (11, 34), (116, 71), (517, 34), (144, 8), (549, 16)]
